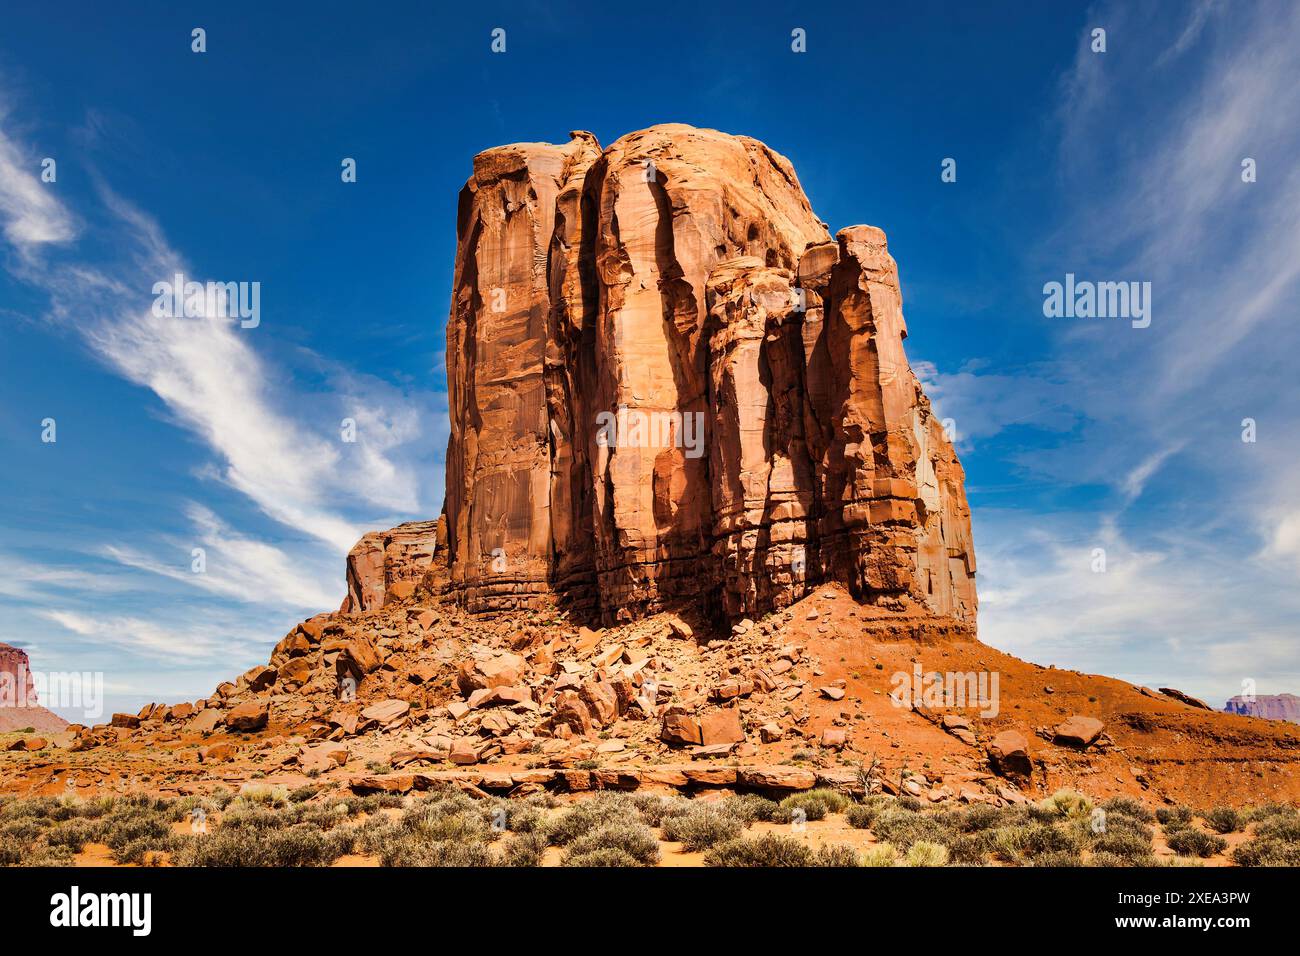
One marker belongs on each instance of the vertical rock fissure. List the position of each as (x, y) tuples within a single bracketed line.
[(681, 273)]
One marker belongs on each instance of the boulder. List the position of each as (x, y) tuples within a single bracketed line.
[(679, 727), (206, 721), (1078, 731), (386, 711), (1008, 754), (463, 752), (721, 726), (499, 671), (835, 738), (218, 753), (249, 716), (259, 678), (1187, 699), (296, 670), (180, 711)]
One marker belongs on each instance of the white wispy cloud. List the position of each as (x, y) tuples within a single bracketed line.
[(1178, 612), (143, 637), (32, 216), (237, 566), (269, 441), (984, 402)]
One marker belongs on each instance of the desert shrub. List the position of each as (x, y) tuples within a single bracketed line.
[(26, 829), (525, 849), (134, 828), (861, 816), (634, 838), (323, 816), (1045, 838), (770, 849), (606, 856), (1224, 820), (836, 855), (299, 845), (442, 821), (926, 853), (1267, 851), (29, 808), (1192, 842), (1126, 846), (1026, 841), (972, 849), (812, 804), (1276, 840), (909, 802), (541, 800), (253, 818), (92, 808), (1128, 807), (1123, 824), (750, 808), (44, 855), (146, 850), (979, 817), (1063, 803), (1279, 827), (74, 835), (412, 852), (1269, 811), (523, 818), (260, 795), (13, 849), (654, 809), (903, 828), (1178, 816), (372, 835), (1058, 859), (589, 815), (304, 793), (701, 827), (836, 802), (882, 854)]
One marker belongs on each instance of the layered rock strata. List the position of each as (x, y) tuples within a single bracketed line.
[(669, 384)]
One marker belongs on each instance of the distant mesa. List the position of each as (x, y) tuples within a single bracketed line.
[(1269, 706), (19, 706)]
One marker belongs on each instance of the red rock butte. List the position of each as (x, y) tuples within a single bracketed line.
[(668, 385)]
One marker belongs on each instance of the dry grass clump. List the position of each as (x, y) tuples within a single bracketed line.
[(589, 815), (814, 804), (750, 808), (1224, 819), (1275, 841), (1189, 841), (701, 827), (1178, 816), (633, 838)]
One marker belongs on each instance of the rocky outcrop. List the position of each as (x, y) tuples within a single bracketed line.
[(1268, 706), (388, 565), (19, 705), (669, 384)]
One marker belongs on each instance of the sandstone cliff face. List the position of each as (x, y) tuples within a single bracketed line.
[(1270, 706), (388, 565), (668, 383)]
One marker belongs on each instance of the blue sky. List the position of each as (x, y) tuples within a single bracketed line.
[(1076, 434)]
